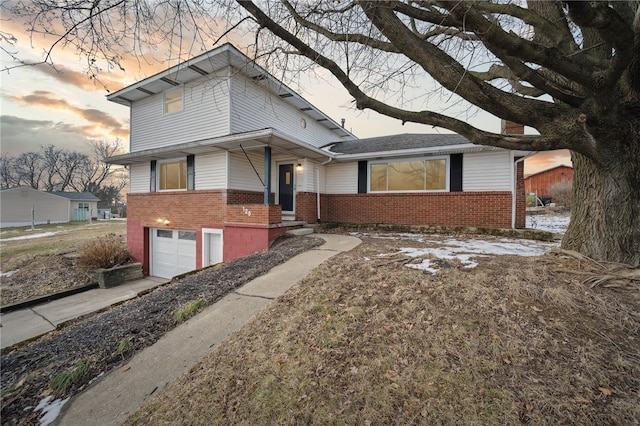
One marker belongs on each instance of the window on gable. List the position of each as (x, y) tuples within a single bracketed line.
[(408, 175), (173, 100), (172, 175)]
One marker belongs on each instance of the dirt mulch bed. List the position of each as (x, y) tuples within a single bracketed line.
[(366, 341), (109, 339)]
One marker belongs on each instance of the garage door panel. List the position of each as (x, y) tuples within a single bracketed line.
[(173, 252)]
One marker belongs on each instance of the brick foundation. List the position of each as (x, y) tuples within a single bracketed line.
[(307, 207), (246, 222), (476, 209)]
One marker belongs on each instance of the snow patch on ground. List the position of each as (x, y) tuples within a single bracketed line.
[(463, 250), (548, 223), (8, 274), (50, 409), (28, 237), (467, 251)]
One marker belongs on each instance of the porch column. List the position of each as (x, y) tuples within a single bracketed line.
[(267, 175)]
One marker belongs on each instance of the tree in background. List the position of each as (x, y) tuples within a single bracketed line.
[(570, 70), (57, 169)]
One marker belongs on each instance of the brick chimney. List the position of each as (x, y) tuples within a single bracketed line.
[(511, 128)]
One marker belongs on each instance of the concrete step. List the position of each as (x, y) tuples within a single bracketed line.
[(300, 231)]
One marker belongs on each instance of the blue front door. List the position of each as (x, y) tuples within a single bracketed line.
[(285, 186)]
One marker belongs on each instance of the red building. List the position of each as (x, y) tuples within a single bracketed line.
[(541, 182)]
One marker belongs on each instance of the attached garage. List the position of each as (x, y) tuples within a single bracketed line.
[(173, 252)]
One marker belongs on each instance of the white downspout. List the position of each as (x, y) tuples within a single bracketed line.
[(318, 186), (514, 190)]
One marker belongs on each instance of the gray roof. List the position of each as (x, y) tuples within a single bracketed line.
[(397, 143), (76, 196)]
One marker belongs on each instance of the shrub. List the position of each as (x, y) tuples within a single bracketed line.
[(105, 252), (562, 193)]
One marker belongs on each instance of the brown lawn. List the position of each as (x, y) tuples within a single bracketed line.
[(374, 342)]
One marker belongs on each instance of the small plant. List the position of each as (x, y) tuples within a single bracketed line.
[(123, 345), (188, 311), (62, 382), (105, 252)]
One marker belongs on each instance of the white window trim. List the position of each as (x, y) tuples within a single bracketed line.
[(399, 160), (158, 174), (164, 100)]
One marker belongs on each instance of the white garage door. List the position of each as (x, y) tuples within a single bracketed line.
[(173, 252)]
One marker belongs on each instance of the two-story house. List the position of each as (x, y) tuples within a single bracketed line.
[(224, 158)]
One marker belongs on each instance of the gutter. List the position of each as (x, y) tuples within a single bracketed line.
[(439, 150), (318, 186), (514, 179)]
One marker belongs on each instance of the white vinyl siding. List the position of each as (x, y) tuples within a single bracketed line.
[(342, 178), (253, 107), (205, 114), (211, 171), (241, 174), (486, 171), (140, 178), (16, 205)]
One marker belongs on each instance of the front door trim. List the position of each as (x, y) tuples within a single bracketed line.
[(293, 186)]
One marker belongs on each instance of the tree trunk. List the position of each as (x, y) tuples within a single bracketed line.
[(605, 218)]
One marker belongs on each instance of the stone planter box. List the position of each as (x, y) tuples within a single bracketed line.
[(118, 275)]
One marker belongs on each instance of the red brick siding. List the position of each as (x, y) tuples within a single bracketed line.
[(194, 210), (235, 196), (307, 207), (184, 210), (244, 240), (541, 182), (253, 213), (478, 209)]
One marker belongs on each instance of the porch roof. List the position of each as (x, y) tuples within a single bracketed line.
[(248, 141)]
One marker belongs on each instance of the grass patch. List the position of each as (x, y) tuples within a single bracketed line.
[(188, 311), (61, 383), (511, 343), (67, 237)]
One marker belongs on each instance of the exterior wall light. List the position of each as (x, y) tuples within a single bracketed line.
[(298, 167)]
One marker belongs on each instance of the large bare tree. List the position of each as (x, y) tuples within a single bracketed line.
[(570, 70)]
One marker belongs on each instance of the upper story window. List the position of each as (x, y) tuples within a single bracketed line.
[(173, 100), (172, 174), (408, 175)]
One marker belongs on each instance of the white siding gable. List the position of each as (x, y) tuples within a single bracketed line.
[(139, 178), (205, 114), (341, 178), (254, 108), (486, 171)]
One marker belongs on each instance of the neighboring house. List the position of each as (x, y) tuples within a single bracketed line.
[(19, 206), (540, 183), (224, 158)]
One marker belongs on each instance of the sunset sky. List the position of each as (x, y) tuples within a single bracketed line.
[(40, 105)]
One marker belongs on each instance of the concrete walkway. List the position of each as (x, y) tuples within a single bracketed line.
[(24, 324), (111, 399)]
